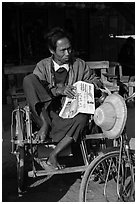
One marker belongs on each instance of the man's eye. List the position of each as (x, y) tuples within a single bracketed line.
[(69, 50)]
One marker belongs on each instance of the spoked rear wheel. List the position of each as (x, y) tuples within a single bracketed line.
[(99, 183)]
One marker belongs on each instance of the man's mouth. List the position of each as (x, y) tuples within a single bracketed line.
[(66, 58)]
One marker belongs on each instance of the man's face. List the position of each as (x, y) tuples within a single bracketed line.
[(63, 51)]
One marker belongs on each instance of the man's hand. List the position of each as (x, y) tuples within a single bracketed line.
[(68, 91), (98, 83)]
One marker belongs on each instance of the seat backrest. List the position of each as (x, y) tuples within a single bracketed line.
[(99, 67), (105, 68), (15, 75), (113, 68)]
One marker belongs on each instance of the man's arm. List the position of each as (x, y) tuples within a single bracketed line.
[(40, 72), (62, 90)]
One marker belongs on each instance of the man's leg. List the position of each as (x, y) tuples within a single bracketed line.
[(60, 146), (43, 131), (38, 99), (73, 133)]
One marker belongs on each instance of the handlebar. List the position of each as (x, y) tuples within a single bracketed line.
[(105, 92), (132, 96)]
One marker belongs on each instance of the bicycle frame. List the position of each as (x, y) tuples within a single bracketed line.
[(25, 136), (113, 169)]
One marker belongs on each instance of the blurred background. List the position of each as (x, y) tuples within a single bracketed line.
[(94, 27), (99, 31)]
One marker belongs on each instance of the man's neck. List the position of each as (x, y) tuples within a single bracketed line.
[(59, 62)]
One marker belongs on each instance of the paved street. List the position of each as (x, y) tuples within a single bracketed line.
[(59, 188)]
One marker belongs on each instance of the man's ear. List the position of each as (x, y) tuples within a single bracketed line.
[(51, 51)]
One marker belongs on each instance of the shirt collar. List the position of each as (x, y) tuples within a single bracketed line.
[(56, 66)]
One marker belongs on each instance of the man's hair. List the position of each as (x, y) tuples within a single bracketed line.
[(54, 35)]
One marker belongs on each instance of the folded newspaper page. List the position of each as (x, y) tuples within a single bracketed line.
[(83, 102)]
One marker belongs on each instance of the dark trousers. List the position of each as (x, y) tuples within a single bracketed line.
[(38, 97)]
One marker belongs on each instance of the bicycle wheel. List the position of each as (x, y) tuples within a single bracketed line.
[(99, 183)]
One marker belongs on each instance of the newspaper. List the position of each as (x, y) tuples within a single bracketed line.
[(82, 103)]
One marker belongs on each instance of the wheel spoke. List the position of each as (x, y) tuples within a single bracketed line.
[(99, 183)]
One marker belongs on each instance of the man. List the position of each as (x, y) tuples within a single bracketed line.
[(45, 89), (126, 57)]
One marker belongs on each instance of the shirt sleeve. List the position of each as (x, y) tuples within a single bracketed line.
[(40, 71), (89, 73)]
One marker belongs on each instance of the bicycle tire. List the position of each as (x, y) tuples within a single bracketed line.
[(95, 189)]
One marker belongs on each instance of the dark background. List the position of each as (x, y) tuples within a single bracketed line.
[(25, 24)]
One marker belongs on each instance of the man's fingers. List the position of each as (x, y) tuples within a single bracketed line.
[(69, 92)]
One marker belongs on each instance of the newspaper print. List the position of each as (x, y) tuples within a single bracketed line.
[(82, 103)]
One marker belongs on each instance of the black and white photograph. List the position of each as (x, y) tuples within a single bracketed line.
[(48, 48)]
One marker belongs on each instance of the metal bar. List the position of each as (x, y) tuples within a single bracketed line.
[(51, 171), (95, 136), (84, 152)]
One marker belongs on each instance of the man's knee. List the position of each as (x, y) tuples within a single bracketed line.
[(27, 79)]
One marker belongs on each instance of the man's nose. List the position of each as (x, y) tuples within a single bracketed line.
[(67, 52)]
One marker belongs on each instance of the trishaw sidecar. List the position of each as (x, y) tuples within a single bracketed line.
[(30, 153)]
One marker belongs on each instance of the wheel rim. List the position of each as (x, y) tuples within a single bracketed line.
[(101, 185)]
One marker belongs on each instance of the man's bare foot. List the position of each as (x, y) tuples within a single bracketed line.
[(52, 161)]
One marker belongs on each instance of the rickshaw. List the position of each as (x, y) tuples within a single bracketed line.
[(30, 153)]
